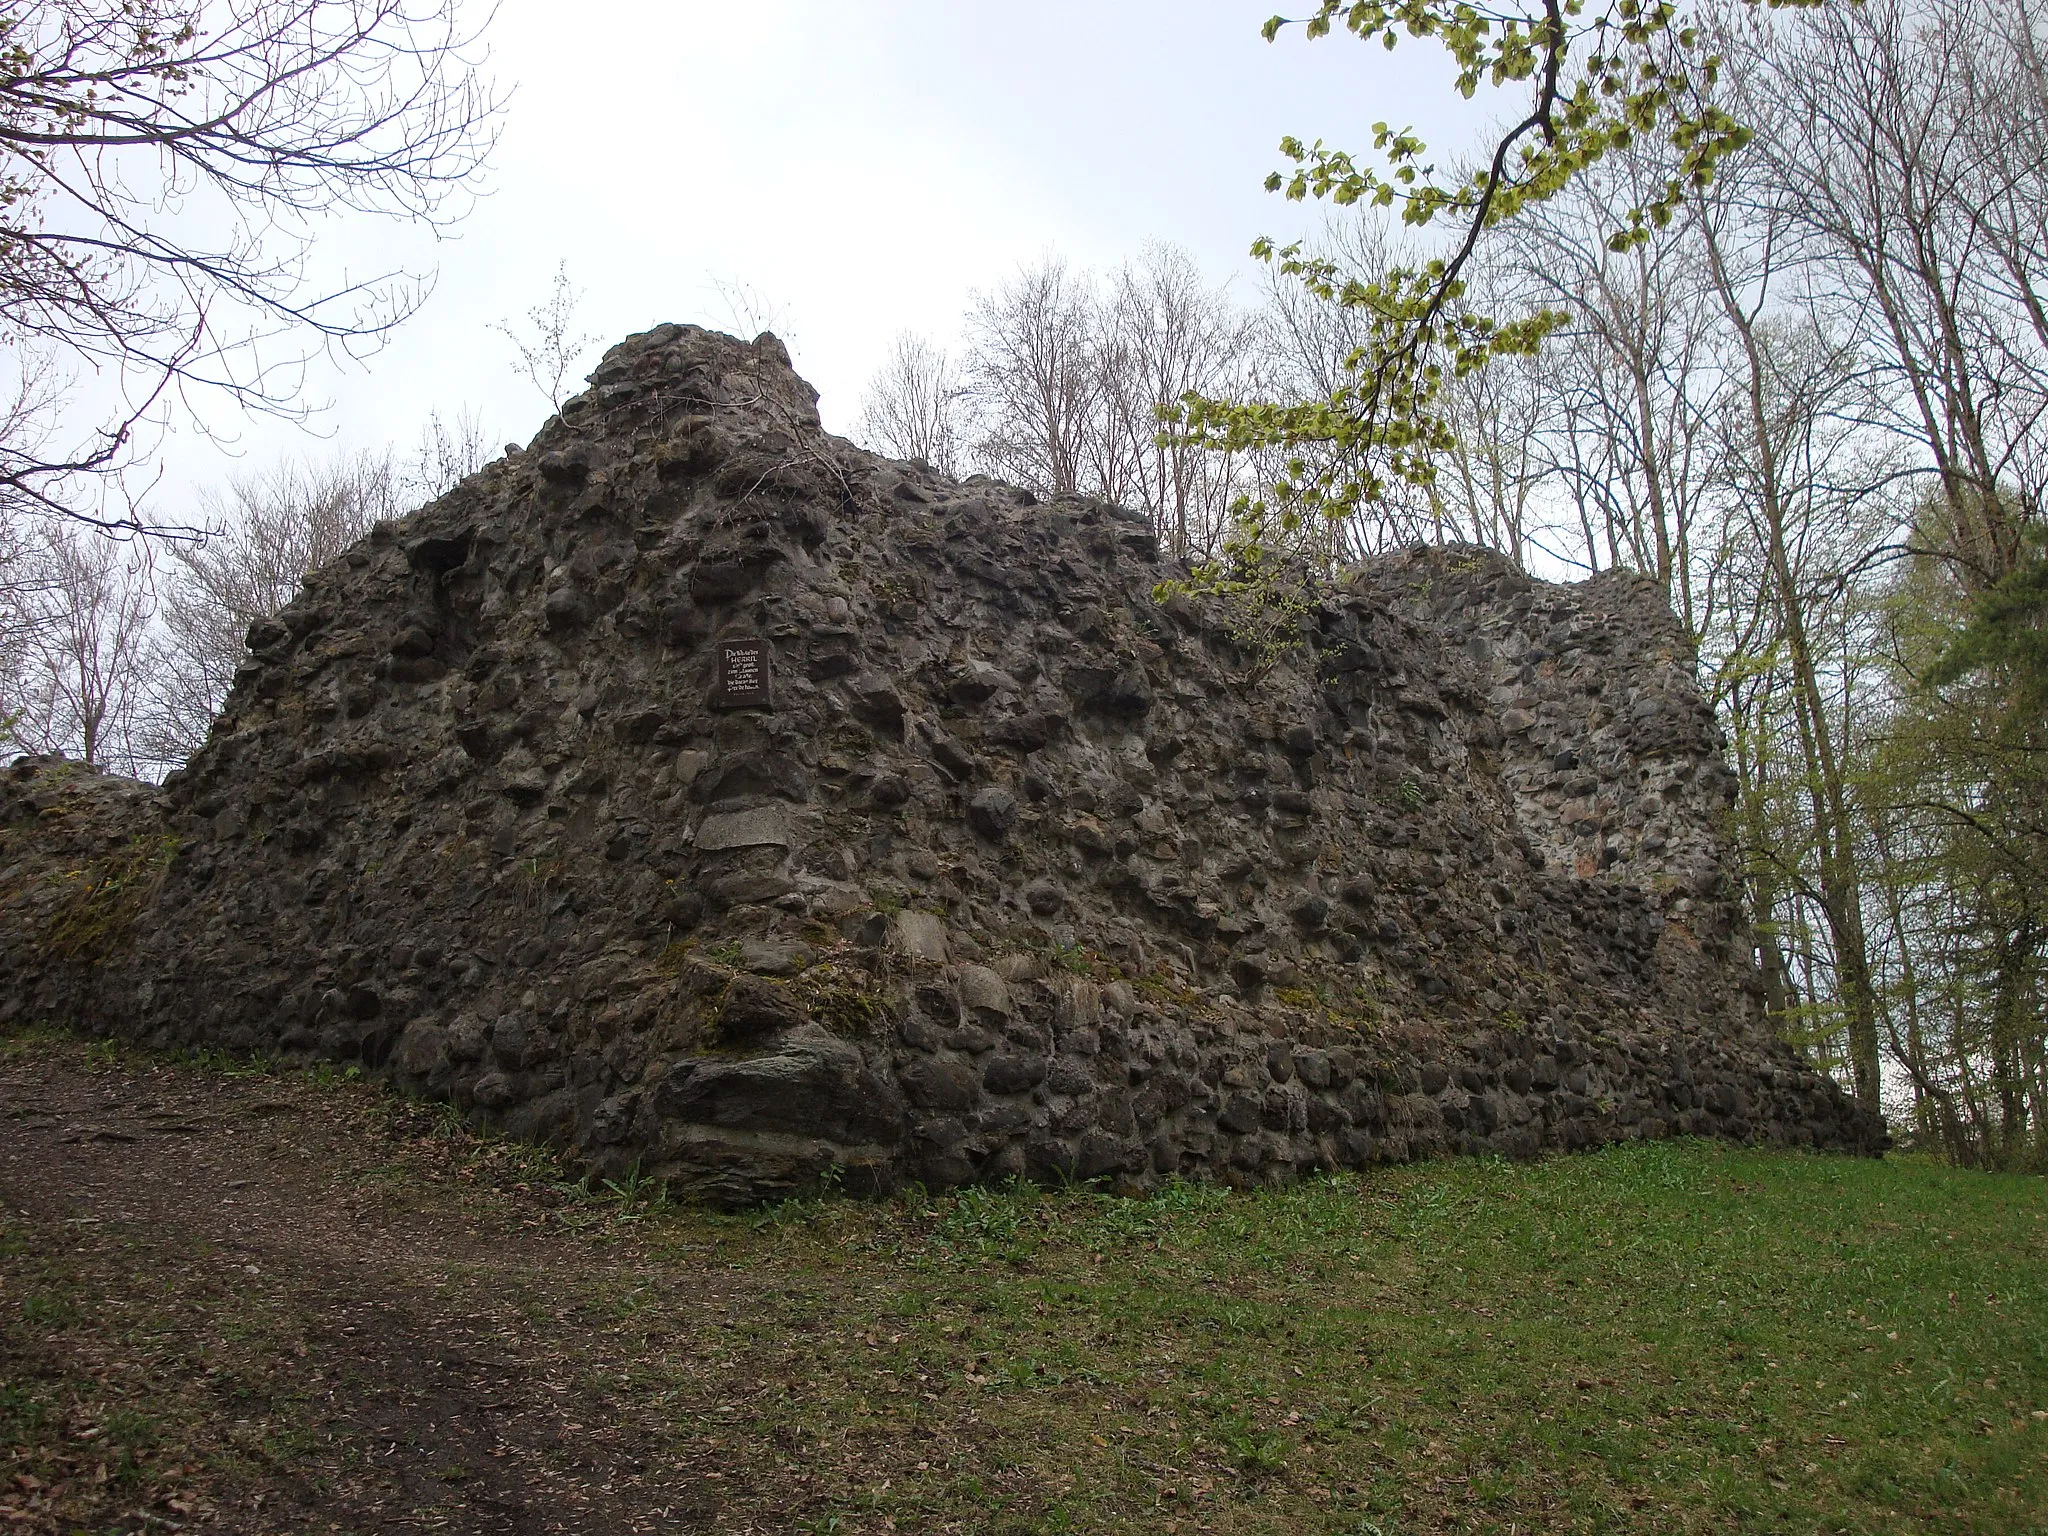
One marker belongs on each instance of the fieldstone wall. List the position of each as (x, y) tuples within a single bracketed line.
[(702, 792)]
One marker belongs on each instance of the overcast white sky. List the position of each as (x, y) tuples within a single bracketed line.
[(864, 165)]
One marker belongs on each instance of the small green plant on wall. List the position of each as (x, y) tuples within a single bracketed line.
[(102, 900)]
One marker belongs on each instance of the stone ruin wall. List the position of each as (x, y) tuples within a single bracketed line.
[(1014, 870)]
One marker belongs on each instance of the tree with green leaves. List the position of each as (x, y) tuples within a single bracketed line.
[(1595, 78), (1956, 795)]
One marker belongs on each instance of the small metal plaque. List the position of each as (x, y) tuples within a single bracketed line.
[(743, 675)]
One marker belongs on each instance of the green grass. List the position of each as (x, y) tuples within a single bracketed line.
[(1661, 1337), (1673, 1337)]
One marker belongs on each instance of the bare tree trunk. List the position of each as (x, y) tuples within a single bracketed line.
[(1763, 887), (1841, 897)]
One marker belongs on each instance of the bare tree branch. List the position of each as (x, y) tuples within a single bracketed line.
[(166, 167)]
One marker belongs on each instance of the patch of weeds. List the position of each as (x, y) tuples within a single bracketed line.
[(30, 1039), (1030, 1371), (847, 1002), (899, 596), (886, 900), (22, 1414), (987, 1221), (449, 1122), (538, 871), (637, 1194), (1360, 1012), (131, 1429), (49, 1311), (1255, 1452), (212, 1059), (1076, 959), (805, 1210), (1162, 986), (101, 901), (325, 1074), (516, 1162)]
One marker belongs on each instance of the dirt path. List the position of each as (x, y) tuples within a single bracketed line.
[(219, 1313)]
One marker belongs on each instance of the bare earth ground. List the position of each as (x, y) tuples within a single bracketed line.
[(246, 1302), (371, 1366)]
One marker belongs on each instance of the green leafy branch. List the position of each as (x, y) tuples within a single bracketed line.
[(1599, 77)]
